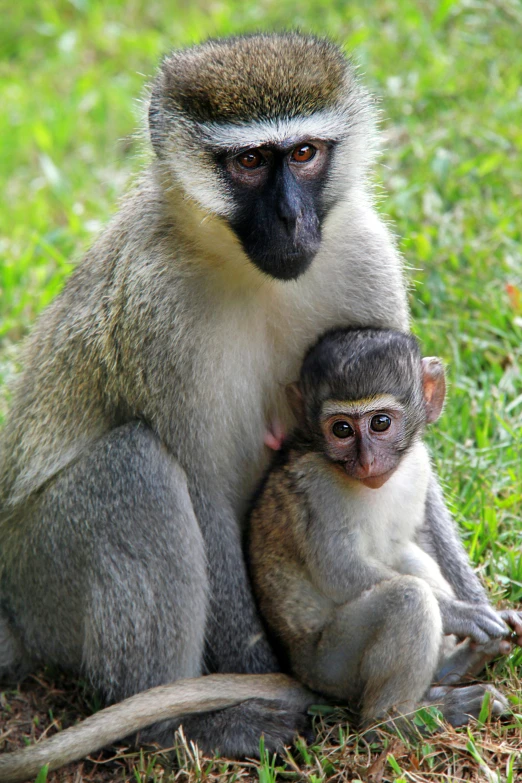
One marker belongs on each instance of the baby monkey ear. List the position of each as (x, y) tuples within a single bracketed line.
[(295, 400), (434, 385)]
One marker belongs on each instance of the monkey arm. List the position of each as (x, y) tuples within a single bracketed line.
[(338, 569), (478, 621), (439, 538)]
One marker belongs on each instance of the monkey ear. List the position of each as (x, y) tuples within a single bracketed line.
[(434, 385), (295, 400)]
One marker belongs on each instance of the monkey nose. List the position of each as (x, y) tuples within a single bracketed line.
[(356, 470), (365, 464), (289, 225)]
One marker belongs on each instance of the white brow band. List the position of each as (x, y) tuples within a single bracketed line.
[(325, 125), (360, 407)]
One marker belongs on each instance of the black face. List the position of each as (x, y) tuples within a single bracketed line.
[(278, 192)]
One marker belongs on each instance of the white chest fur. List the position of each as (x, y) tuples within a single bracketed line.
[(396, 509), (379, 523), (255, 331)]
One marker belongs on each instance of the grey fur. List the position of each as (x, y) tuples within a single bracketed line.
[(363, 591), (439, 539), (135, 435), (184, 697)]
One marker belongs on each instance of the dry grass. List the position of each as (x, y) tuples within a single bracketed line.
[(448, 75), (490, 750)]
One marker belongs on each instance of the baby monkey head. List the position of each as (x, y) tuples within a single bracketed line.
[(364, 397)]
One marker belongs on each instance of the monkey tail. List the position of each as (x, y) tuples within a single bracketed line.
[(183, 697)]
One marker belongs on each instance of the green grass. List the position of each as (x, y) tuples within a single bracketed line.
[(448, 74)]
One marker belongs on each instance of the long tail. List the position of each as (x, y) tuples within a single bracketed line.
[(183, 697)]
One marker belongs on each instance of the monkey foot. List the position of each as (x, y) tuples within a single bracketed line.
[(459, 705), (235, 732)]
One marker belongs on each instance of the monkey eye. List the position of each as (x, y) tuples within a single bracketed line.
[(380, 422), (251, 159), (303, 153), (341, 429)]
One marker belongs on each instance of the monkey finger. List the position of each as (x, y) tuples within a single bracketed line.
[(464, 629), (274, 435), (492, 624), (493, 648), (514, 621), (496, 647), (476, 634)]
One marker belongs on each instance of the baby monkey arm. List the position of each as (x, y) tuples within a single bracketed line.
[(478, 621), (338, 569)]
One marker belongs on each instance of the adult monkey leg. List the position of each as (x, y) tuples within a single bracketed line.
[(88, 584), (235, 639), (89, 561)]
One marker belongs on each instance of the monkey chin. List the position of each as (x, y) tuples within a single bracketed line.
[(374, 482)]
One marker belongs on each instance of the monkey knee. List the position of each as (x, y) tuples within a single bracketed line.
[(144, 590), (412, 603), (133, 472), (398, 666), (136, 497), (409, 642)]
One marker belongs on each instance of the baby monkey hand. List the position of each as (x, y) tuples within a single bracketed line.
[(513, 619), (479, 622)]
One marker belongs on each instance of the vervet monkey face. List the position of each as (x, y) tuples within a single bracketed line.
[(364, 397), (368, 437), (366, 441), (266, 133), (278, 192)]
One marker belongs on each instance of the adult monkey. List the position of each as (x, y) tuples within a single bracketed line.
[(136, 432)]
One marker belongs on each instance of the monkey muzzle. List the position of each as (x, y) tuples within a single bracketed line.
[(365, 475)]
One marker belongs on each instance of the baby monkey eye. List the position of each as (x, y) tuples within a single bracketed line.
[(303, 153), (341, 429), (251, 159), (380, 422)]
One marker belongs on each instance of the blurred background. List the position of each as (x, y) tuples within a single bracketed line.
[(73, 77)]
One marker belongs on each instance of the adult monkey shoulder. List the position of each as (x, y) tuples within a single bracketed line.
[(135, 435)]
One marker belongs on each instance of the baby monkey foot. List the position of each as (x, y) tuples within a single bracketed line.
[(459, 705)]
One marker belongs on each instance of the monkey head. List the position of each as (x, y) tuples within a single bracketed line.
[(364, 397), (268, 132)]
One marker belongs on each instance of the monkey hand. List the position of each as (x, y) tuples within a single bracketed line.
[(479, 622), (274, 435), (513, 619)]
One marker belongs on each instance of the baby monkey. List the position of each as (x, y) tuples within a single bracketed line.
[(344, 571)]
